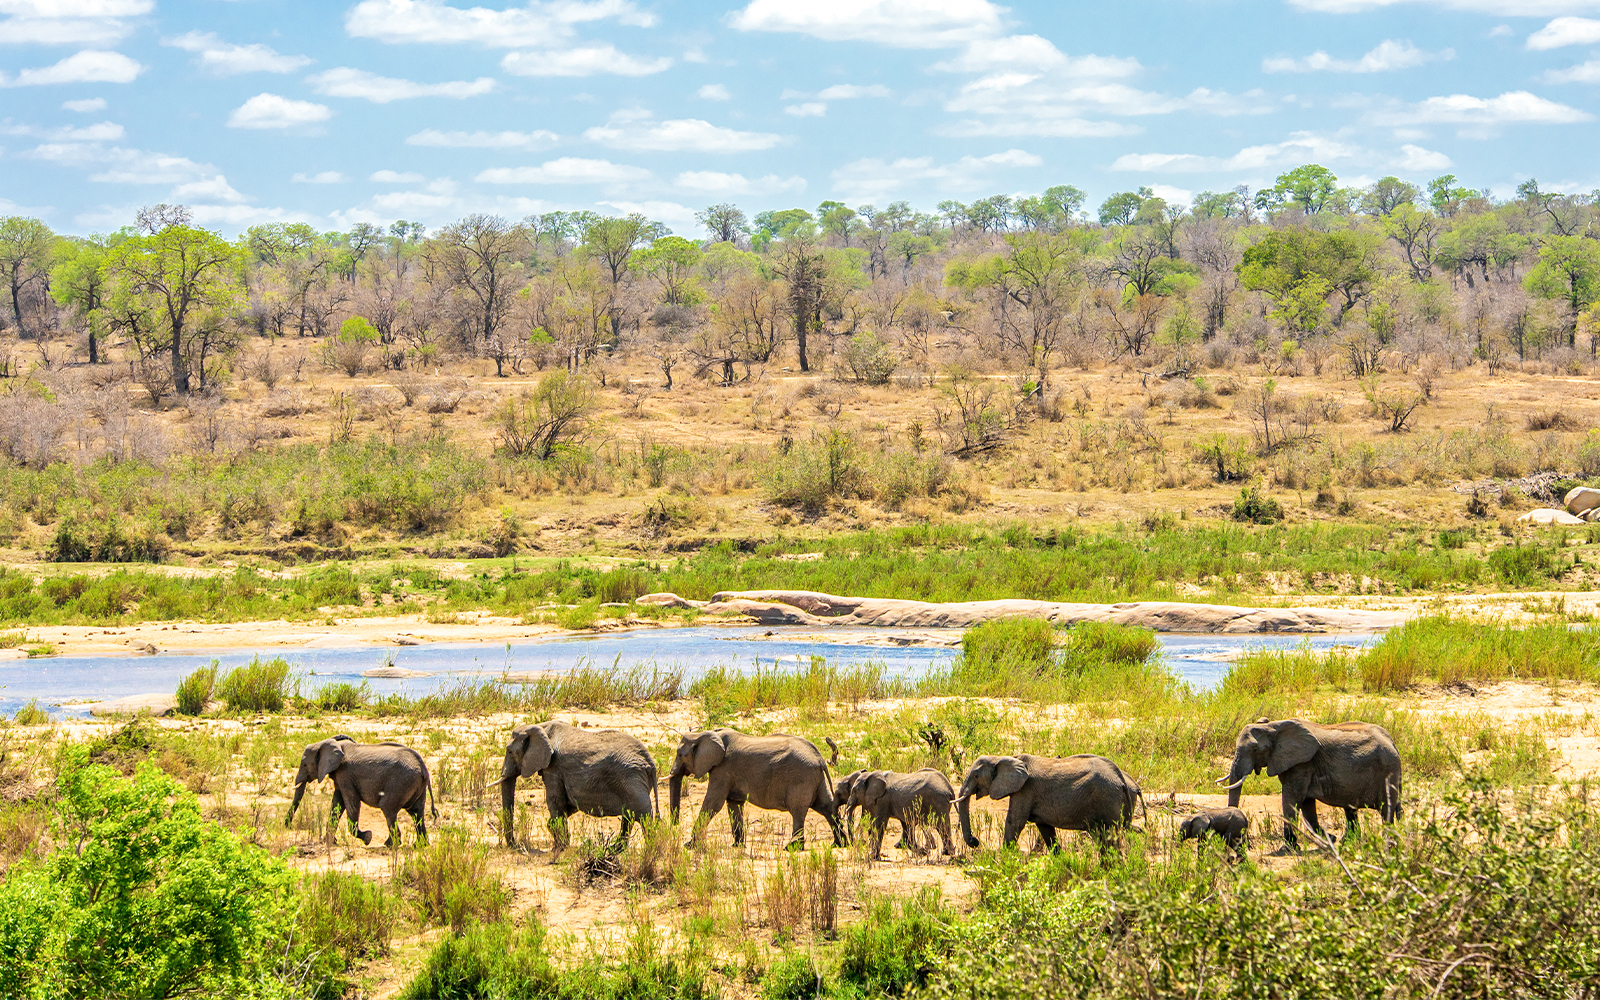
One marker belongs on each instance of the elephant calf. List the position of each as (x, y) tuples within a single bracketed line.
[(917, 799), (386, 775), (1082, 792), (1229, 824), (604, 773), (772, 772)]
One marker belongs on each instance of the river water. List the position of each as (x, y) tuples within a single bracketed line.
[(59, 682)]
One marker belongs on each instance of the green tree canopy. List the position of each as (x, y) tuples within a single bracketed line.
[(1300, 270)]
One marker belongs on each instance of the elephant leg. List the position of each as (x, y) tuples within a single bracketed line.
[(392, 818), (1351, 828), (1308, 809), (718, 793), (943, 824), (333, 817), (621, 843), (1290, 805), (797, 833), (1047, 836), (417, 812), (1016, 819), (736, 819), (560, 836), (352, 811)]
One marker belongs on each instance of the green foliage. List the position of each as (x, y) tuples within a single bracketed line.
[(1309, 188), (1254, 505), (819, 472), (32, 714), (194, 691), (1523, 565), (358, 330), (450, 881), (869, 360), (343, 696), (107, 542), (152, 902), (1300, 269), (1447, 650), (257, 686), (347, 917), (556, 414)]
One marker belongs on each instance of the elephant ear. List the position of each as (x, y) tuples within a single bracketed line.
[(536, 753), (329, 757), (1010, 774), (873, 787), (709, 751), (1293, 746)]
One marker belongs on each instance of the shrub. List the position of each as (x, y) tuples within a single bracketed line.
[(194, 691), (257, 686), (348, 915), (32, 715), (555, 414), (450, 881), (885, 955), (869, 360), (1005, 645), (343, 696), (1522, 565), (1253, 505)]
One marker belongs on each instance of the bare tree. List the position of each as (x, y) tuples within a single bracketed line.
[(480, 257)]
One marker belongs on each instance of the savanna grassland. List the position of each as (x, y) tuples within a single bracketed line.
[(502, 429)]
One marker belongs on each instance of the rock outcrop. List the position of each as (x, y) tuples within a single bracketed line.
[(805, 607), (1549, 515), (1580, 499), (668, 600)]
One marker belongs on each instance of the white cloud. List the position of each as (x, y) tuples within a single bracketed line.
[(210, 189), (325, 177), (273, 111), (566, 170), (713, 92), (346, 82), (847, 91), (1517, 106), (534, 24), (872, 178), (1587, 72), (1022, 53), (87, 105), (1172, 195), (711, 182), (1501, 31), (1302, 147), (586, 60), (118, 165), (238, 217), (1386, 56), (810, 109), (483, 140), (1564, 31), (223, 59), (69, 22), (1015, 104), (88, 66), (679, 217), (628, 130), (103, 132), (395, 177), (901, 23), (1418, 159)]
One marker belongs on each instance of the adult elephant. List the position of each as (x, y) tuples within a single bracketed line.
[(920, 798), (601, 773), (771, 772), (1081, 792), (390, 776), (1350, 765)]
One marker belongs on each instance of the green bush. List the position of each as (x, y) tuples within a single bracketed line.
[(194, 691), (450, 881), (32, 715), (1523, 565), (885, 955), (348, 917), (151, 901), (343, 696), (1253, 505), (258, 686)]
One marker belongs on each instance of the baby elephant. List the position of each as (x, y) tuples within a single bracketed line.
[(1229, 824), (386, 775), (917, 799)]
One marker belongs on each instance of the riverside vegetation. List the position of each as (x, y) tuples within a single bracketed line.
[(1487, 885)]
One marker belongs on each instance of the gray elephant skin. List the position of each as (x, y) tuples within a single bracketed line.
[(779, 772), (919, 799), (600, 773), (1350, 765), (392, 777), (1081, 792), (1229, 824)]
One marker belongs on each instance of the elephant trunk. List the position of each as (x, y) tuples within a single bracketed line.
[(675, 790), (508, 808), (1240, 771), (299, 792), (964, 810)]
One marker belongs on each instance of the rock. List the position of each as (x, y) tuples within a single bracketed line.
[(767, 613), (1580, 499), (1549, 515), (809, 607), (668, 600), (1591, 515), (139, 704), (394, 672)]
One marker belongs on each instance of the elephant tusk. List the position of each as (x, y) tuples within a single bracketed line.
[(1236, 784)]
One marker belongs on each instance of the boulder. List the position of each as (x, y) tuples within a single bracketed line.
[(1580, 499), (764, 612), (1549, 515), (668, 600), (136, 704), (391, 672)]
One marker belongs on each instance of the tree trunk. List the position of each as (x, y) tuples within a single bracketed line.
[(16, 302), (180, 374)]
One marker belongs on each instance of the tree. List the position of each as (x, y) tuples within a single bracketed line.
[(671, 261), (1309, 187), (25, 246), (1120, 209), (183, 271), (1568, 270), (555, 413), (725, 222), (611, 243), (777, 225), (480, 255), (1040, 274), (1387, 194), (799, 261), (78, 282), (1215, 205), (1416, 232), (834, 217), (1300, 269), (1446, 195)]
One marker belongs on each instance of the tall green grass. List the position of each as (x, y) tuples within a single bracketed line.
[(194, 690), (257, 686), (1448, 650)]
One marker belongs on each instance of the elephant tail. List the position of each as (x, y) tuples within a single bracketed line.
[(655, 792), (427, 782)]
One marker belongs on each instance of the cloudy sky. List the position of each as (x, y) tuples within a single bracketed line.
[(373, 110)]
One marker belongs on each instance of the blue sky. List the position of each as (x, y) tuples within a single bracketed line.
[(371, 110)]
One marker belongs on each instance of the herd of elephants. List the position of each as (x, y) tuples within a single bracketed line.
[(1351, 765)]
